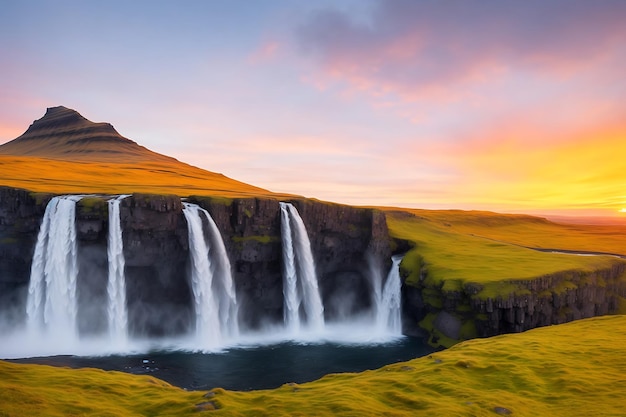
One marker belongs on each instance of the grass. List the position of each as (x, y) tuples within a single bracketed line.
[(574, 369), (530, 231), (30, 390), (454, 249), (44, 175)]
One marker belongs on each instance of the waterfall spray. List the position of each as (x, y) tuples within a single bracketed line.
[(300, 288), (215, 301), (116, 286), (388, 312), (51, 303)]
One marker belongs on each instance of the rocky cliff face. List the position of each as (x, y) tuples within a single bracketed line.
[(20, 217), (552, 299), (344, 241), (157, 254)]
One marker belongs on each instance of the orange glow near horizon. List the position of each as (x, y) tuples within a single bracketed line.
[(581, 173)]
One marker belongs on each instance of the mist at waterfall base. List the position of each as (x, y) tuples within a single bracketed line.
[(253, 367), (216, 352)]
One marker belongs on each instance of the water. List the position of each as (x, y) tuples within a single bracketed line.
[(217, 354), (257, 367), (300, 286), (215, 302), (388, 308), (116, 285), (51, 305)]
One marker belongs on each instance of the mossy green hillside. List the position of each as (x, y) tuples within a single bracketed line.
[(40, 390), (455, 261), (531, 231), (448, 259), (574, 369)]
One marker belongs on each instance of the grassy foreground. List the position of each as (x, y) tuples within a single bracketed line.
[(574, 369)]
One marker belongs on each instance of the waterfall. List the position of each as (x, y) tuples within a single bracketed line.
[(116, 286), (51, 304), (388, 313), (215, 301), (300, 287)]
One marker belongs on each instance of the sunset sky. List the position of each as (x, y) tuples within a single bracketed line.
[(499, 105)]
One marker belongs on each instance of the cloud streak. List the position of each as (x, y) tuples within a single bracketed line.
[(415, 48)]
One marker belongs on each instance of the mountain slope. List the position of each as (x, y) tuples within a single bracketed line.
[(63, 152), (63, 133)]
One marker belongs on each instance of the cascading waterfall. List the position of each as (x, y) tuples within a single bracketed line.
[(51, 305), (388, 312), (116, 286), (300, 288), (52, 295), (215, 301)]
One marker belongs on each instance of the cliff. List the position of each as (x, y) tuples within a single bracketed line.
[(20, 218), (460, 284), (344, 241), (450, 316)]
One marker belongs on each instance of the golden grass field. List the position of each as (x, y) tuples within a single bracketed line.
[(574, 369), (161, 177)]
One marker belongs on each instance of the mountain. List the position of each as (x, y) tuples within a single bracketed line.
[(63, 152), (63, 133)]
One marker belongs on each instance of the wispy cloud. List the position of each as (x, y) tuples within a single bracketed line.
[(416, 48)]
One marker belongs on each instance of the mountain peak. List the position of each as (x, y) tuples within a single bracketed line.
[(63, 152), (63, 133), (65, 119), (59, 112)]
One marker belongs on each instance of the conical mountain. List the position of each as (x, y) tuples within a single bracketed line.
[(63, 152), (63, 133)]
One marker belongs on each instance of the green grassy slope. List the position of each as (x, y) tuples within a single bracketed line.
[(530, 231), (574, 369), (455, 248)]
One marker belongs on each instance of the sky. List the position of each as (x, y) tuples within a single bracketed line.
[(509, 106)]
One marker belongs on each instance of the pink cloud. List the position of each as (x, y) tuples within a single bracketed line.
[(416, 49)]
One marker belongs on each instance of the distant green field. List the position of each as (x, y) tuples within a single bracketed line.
[(574, 369), (454, 248)]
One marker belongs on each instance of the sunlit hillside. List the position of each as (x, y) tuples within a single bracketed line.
[(458, 247), (575, 369), (530, 231), (65, 153), (162, 177)]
